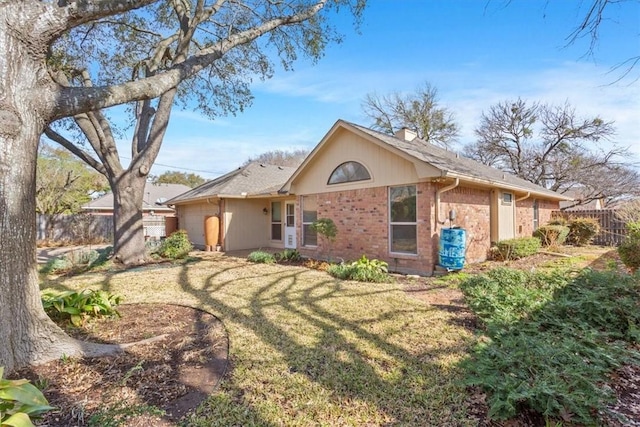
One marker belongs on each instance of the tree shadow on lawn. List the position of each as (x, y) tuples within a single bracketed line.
[(308, 349)]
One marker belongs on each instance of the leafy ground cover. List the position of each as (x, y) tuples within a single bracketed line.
[(553, 340), (305, 348)]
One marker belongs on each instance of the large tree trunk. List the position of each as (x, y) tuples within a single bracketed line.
[(26, 332), (27, 335), (128, 194)]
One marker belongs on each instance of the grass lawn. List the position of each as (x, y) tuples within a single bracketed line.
[(307, 349)]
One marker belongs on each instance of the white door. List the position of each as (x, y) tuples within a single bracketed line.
[(506, 216), (290, 225)]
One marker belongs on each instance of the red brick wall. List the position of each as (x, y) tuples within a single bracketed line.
[(546, 207), (472, 208), (524, 215), (361, 217)]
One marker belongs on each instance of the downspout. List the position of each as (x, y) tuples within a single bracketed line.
[(221, 235), (438, 193), (524, 197)]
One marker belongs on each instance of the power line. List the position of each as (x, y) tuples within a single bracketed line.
[(181, 168)]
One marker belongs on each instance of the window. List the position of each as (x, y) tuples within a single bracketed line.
[(403, 225), (349, 172), (276, 220), (290, 215), (507, 198), (536, 215), (309, 215)]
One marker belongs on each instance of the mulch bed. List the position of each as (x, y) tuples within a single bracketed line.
[(154, 383)]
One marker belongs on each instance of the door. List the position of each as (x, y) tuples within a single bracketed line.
[(290, 225), (506, 216)]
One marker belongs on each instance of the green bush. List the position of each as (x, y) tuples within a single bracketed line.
[(288, 255), (78, 261), (629, 249), (326, 228), (57, 265), (553, 340), (362, 270), (261, 257), (516, 248), (19, 402), (559, 220), (176, 246), (506, 295), (551, 235), (76, 306), (583, 230)]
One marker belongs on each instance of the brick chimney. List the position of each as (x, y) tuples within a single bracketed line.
[(406, 134)]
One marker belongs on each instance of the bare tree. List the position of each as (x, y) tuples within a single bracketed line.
[(292, 158), (45, 76), (550, 146), (419, 112), (590, 26)]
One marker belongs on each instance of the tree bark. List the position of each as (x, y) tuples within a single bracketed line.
[(29, 101), (27, 335), (128, 195)]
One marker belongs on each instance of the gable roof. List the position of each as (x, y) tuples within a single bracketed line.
[(450, 164), (253, 180), (155, 196)]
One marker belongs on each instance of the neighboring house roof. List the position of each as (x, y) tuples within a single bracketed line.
[(155, 196), (578, 203), (451, 164), (252, 180)]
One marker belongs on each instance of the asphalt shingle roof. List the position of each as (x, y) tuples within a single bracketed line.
[(154, 195), (252, 180), (460, 166)]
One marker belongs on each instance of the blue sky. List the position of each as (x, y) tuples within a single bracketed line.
[(475, 52)]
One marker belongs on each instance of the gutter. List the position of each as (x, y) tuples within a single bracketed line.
[(438, 193), (507, 186)]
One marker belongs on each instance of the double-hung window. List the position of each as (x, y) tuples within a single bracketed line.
[(403, 223), (309, 215), (276, 220)]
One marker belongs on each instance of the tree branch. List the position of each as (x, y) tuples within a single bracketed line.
[(82, 154), (69, 101)]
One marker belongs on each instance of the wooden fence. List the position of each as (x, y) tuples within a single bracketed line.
[(612, 229), (85, 228)]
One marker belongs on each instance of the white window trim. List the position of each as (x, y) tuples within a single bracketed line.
[(306, 223), (272, 223), (390, 224)]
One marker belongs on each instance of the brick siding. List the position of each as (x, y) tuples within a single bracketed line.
[(361, 217), (472, 207), (524, 215)]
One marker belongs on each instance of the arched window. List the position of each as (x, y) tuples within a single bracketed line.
[(349, 172)]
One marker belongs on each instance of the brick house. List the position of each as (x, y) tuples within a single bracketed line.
[(390, 197)]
